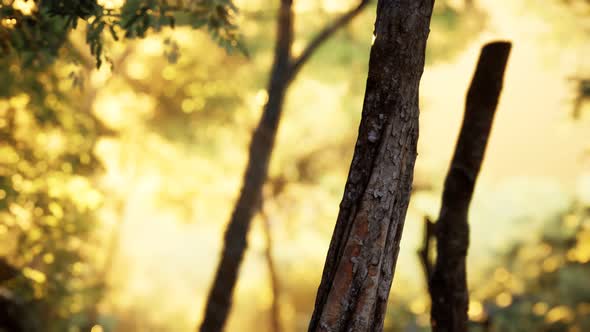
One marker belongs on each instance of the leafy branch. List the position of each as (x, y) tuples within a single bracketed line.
[(37, 36)]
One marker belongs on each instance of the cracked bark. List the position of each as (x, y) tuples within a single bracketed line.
[(360, 264), (448, 282)]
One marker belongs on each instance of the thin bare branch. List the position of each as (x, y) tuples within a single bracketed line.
[(323, 36), (424, 251)]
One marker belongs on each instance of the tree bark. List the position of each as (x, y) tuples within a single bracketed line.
[(448, 283), (283, 72), (361, 259)]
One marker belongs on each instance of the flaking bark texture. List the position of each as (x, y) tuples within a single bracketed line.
[(361, 259), (448, 283)]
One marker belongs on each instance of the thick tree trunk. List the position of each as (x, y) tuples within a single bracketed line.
[(448, 283), (283, 73), (361, 259)]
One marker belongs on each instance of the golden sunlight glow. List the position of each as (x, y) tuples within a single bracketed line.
[(19, 101), (503, 299), (297, 47), (25, 7), (48, 258), (56, 210), (78, 268), (501, 275), (111, 4), (169, 73), (265, 297), (540, 308), (8, 155), (559, 313), (571, 221), (581, 252), (22, 216), (261, 97), (337, 6), (35, 275), (475, 312), (418, 306), (83, 193), (190, 105), (99, 77), (54, 142), (110, 111), (137, 70), (516, 286), (304, 6), (8, 23), (167, 179), (551, 264), (151, 45)]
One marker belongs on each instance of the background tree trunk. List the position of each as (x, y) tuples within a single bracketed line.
[(361, 260), (220, 295), (275, 309), (283, 72), (448, 283)]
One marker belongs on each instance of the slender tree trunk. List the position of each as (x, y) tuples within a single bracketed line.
[(275, 310), (448, 283), (219, 301), (361, 260), (283, 72)]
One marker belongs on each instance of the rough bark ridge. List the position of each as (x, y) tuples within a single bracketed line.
[(361, 259), (448, 283), (284, 70)]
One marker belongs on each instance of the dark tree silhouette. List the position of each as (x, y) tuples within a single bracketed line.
[(447, 280)]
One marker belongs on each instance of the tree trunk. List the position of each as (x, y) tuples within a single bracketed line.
[(448, 283), (275, 309), (283, 73), (361, 259), (220, 295)]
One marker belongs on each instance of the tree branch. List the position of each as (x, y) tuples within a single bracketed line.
[(324, 35), (275, 310), (424, 251)]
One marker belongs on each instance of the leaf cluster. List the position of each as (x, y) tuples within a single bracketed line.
[(37, 36)]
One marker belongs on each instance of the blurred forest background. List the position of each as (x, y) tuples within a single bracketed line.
[(116, 183)]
